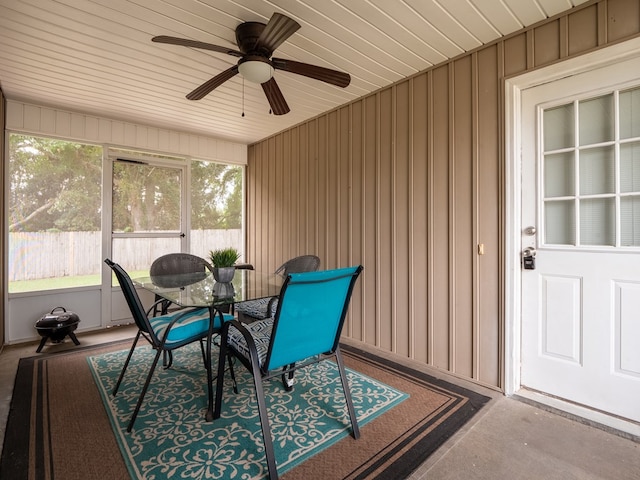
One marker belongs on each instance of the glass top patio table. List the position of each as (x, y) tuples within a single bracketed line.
[(201, 290)]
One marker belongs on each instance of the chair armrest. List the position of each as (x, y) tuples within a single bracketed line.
[(155, 304), (243, 266)]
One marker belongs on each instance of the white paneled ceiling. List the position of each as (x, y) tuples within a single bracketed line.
[(96, 56)]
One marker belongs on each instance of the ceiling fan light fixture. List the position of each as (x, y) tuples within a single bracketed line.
[(255, 69)]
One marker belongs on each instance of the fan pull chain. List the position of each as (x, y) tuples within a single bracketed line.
[(242, 97)]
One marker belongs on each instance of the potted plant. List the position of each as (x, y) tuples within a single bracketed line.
[(223, 261)]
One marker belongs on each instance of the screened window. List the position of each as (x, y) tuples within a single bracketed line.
[(54, 213), (160, 204), (591, 171), (216, 207)]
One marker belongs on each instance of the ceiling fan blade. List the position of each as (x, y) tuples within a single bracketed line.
[(276, 99), (327, 75), (209, 86), (279, 28), (194, 43)]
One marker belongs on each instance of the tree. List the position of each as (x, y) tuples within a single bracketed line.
[(216, 196), (145, 197), (55, 185)]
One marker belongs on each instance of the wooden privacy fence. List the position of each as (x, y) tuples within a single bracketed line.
[(36, 255)]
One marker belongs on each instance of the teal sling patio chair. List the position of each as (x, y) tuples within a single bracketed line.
[(165, 333), (266, 307), (305, 330)]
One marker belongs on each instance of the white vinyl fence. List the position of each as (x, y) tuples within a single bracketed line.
[(35, 255)]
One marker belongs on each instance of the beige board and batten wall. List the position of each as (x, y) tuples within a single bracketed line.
[(409, 182), (4, 222)]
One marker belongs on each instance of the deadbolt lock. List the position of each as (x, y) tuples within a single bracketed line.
[(529, 258)]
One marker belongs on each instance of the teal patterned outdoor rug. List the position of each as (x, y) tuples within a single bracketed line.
[(172, 440), (59, 429)]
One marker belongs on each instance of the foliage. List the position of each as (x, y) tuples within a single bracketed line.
[(56, 185), (224, 257), (216, 196), (145, 197)]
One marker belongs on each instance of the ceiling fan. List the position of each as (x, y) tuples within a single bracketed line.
[(256, 43)]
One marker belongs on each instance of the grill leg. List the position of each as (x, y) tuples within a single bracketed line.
[(73, 337), (42, 342)]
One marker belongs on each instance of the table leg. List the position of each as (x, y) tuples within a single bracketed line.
[(212, 316)]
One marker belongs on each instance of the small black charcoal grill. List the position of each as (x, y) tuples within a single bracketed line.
[(56, 325)]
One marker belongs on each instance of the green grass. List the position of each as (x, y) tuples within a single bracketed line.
[(62, 282)]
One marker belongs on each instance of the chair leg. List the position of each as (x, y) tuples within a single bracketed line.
[(233, 374), (262, 405), (222, 358), (204, 354), (167, 359), (144, 390), (264, 422), (287, 378), (347, 395), (126, 364)]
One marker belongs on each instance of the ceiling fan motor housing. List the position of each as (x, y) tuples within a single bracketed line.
[(247, 35)]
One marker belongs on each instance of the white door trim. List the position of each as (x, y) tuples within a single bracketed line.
[(513, 273)]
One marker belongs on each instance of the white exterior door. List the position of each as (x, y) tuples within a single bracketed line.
[(580, 326)]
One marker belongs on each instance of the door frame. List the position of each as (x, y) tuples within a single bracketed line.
[(512, 214), (113, 306)]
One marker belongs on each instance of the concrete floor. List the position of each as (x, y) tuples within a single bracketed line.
[(508, 439)]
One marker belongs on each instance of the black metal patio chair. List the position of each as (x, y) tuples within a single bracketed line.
[(165, 333), (164, 267), (266, 307)]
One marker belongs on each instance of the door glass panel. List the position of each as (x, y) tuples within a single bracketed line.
[(146, 198), (135, 255), (630, 221), (630, 113), (558, 127), (630, 167), (593, 188), (596, 120), (560, 222), (597, 171), (559, 176), (597, 221)]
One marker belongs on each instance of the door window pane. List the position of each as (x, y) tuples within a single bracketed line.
[(630, 113), (598, 221), (630, 167), (597, 171), (55, 190), (559, 175), (146, 198), (596, 120), (630, 221), (558, 127), (560, 223)]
